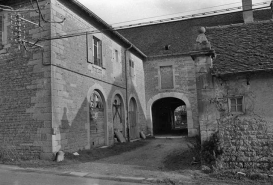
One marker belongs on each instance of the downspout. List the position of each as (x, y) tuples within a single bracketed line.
[(126, 87)]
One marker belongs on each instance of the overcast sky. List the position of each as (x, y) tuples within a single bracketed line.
[(116, 11)]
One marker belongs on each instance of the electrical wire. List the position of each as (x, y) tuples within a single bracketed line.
[(195, 16), (173, 13), (113, 29), (174, 18)]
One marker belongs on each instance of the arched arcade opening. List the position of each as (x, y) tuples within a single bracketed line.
[(169, 117)]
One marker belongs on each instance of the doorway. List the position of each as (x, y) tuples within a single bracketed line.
[(169, 117), (97, 120), (134, 134)]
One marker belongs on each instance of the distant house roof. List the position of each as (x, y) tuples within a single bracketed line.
[(180, 35), (242, 47)]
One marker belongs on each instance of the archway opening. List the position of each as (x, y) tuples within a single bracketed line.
[(134, 133), (169, 117), (118, 115), (97, 118)]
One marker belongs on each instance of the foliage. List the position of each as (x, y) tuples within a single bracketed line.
[(211, 150)]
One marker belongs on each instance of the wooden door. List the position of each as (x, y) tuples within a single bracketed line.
[(134, 133), (117, 112)]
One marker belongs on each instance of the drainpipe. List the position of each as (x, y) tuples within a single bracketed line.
[(126, 87)]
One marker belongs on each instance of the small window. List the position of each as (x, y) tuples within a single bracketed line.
[(236, 104), (166, 77), (116, 55), (97, 54), (132, 66)]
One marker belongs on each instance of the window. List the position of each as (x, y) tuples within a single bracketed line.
[(236, 104), (132, 66), (116, 55), (97, 54), (166, 77), (1, 31)]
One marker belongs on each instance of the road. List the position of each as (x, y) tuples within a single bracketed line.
[(16, 177)]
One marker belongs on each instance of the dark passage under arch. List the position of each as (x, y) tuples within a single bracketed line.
[(169, 117)]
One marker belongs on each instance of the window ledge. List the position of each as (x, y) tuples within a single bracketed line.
[(236, 113), (98, 67), (3, 51)]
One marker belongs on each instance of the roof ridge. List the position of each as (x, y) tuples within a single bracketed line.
[(239, 24)]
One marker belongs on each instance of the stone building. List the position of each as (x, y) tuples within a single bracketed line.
[(224, 80), (189, 78), (87, 81), (75, 91)]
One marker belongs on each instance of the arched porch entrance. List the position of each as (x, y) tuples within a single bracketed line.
[(190, 125), (169, 117)]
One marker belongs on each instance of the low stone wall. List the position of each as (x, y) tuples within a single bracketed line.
[(247, 142)]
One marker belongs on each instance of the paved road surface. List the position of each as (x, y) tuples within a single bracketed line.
[(15, 177)]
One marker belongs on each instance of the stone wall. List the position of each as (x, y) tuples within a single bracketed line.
[(247, 142), (246, 135), (25, 111)]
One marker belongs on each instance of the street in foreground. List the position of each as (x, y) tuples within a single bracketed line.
[(15, 177)]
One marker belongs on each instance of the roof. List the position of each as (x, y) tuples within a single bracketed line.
[(180, 35), (242, 47)]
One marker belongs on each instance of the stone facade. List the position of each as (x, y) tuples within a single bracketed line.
[(184, 86), (46, 92), (238, 102)]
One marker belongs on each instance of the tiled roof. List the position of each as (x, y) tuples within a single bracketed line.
[(242, 47), (181, 35)]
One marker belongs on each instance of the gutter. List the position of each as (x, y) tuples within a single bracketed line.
[(190, 53), (126, 87), (247, 71)]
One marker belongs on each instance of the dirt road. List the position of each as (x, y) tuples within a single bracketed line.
[(146, 161)]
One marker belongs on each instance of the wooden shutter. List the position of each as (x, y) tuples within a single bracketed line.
[(90, 57), (1, 29), (103, 58)]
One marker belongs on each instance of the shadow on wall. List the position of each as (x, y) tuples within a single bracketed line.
[(86, 131)]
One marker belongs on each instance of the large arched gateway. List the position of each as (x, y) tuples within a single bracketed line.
[(169, 117), (171, 103)]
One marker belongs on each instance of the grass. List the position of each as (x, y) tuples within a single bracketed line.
[(178, 160), (84, 156), (100, 153)]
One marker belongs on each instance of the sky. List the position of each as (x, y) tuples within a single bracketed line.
[(122, 11)]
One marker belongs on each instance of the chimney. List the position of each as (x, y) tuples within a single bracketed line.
[(247, 11)]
